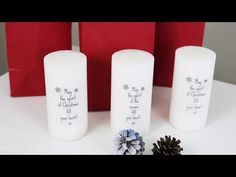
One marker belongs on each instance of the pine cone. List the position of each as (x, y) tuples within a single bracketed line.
[(167, 146), (129, 142)]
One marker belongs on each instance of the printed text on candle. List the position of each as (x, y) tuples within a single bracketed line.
[(134, 95), (68, 101), (195, 93)]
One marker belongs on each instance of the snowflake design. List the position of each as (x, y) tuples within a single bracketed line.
[(196, 80), (125, 86), (143, 88), (57, 89), (76, 90), (205, 80), (188, 79)]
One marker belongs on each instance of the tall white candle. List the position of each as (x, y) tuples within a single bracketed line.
[(131, 90), (66, 92), (191, 89)]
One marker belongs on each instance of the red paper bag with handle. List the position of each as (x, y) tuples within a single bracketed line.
[(99, 40), (27, 44), (169, 37)]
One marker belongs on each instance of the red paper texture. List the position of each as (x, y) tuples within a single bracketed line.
[(27, 44), (169, 37), (99, 40)]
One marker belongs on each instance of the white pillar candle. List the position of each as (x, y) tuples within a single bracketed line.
[(66, 93), (131, 90), (191, 89)]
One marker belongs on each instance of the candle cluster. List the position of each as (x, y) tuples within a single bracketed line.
[(131, 91)]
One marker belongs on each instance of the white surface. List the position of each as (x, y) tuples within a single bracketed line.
[(23, 126), (66, 90), (191, 88), (131, 90)]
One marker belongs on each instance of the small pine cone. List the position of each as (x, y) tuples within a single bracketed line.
[(129, 142), (167, 146)]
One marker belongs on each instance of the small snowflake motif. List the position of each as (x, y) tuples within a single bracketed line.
[(196, 80), (133, 123), (143, 88), (205, 80), (76, 90), (125, 87), (57, 89), (188, 79), (69, 123)]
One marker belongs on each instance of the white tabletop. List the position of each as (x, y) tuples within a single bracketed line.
[(23, 126)]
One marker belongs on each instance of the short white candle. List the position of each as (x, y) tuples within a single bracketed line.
[(131, 90), (191, 89), (66, 92)]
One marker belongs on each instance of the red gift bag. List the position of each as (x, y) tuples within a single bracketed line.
[(27, 44), (169, 37), (99, 40)]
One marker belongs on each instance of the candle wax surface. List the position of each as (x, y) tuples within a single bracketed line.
[(191, 89), (132, 78), (66, 92)]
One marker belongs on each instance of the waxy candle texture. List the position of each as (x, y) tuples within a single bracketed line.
[(66, 92), (191, 89), (131, 90)]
